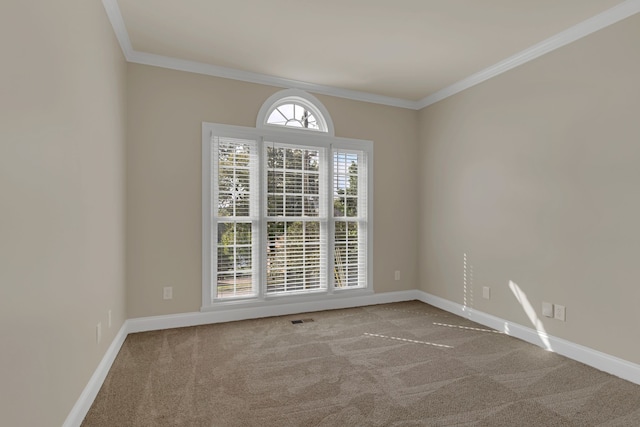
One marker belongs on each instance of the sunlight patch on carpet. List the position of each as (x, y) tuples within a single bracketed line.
[(407, 340), (468, 328)]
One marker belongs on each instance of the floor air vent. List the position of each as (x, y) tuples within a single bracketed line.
[(299, 321)]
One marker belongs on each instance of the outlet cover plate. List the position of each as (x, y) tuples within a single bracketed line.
[(559, 312)]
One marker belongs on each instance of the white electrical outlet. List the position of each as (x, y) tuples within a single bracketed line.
[(547, 309), (559, 312), (397, 275), (167, 292), (98, 333), (486, 292), (109, 318)]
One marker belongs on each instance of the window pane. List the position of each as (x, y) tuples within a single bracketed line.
[(293, 115), (293, 159), (225, 260), (345, 184), (311, 206), (312, 160), (275, 182), (243, 258), (243, 233), (234, 177), (275, 158), (300, 177), (293, 256), (346, 252), (293, 182), (242, 157), (286, 110), (226, 234), (235, 262), (275, 205), (242, 207), (276, 118), (293, 206), (311, 183)]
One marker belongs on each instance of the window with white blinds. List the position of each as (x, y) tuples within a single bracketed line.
[(296, 218), (350, 218), (284, 214), (235, 198)]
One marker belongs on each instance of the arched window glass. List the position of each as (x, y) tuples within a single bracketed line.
[(293, 115), (295, 109)]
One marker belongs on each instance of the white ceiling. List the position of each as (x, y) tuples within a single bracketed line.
[(404, 52)]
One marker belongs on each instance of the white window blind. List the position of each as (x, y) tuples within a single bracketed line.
[(286, 215), (296, 218), (350, 213), (235, 191)]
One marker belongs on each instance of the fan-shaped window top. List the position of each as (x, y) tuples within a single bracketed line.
[(294, 115), (296, 109)]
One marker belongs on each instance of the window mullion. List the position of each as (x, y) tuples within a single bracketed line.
[(209, 220), (262, 219), (328, 183), (363, 209)]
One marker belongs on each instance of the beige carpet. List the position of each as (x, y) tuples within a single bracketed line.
[(403, 364)]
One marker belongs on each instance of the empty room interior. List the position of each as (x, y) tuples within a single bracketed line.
[(441, 195)]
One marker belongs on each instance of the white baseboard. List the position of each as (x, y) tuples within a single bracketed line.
[(143, 324), (602, 361), (613, 365), (88, 395)]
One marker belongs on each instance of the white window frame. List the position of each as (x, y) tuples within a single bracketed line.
[(288, 136), (300, 97)]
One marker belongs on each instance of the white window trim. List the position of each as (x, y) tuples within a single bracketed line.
[(291, 136), (300, 97)]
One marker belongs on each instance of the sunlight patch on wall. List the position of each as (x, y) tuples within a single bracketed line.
[(531, 314)]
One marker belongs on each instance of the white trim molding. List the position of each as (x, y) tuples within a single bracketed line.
[(609, 17), (231, 314), (88, 395), (264, 79), (144, 324), (578, 31), (119, 28), (604, 362)]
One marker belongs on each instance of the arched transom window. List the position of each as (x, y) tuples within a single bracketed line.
[(295, 109), (294, 115)]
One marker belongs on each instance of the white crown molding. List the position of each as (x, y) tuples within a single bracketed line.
[(613, 365), (583, 29), (602, 20), (115, 17), (250, 77)]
